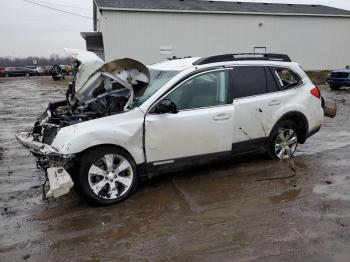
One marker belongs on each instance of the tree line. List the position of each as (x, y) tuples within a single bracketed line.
[(29, 61)]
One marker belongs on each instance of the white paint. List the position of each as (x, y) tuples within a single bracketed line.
[(188, 133), (195, 131), (124, 130), (90, 63)]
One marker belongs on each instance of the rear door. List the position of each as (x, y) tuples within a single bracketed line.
[(256, 102)]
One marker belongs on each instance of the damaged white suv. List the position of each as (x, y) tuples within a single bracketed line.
[(122, 121)]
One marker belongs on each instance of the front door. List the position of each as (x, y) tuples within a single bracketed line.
[(203, 126)]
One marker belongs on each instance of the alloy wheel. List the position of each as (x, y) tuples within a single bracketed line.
[(285, 143), (111, 176)]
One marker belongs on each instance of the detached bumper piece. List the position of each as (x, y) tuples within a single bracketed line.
[(60, 182), (329, 108), (34, 146), (53, 162)]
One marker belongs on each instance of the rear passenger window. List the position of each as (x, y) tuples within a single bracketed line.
[(287, 78), (248, 81)]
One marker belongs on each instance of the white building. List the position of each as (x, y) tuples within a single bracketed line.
[(318, 37)]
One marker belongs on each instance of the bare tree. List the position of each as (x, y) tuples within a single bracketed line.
[(28, 61)]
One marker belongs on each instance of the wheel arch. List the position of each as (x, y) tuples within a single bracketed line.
[(301, 121), (94, 147)]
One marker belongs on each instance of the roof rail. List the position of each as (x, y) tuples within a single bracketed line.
[(243, 57)]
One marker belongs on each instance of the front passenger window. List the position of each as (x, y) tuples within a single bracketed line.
[(205, 90)]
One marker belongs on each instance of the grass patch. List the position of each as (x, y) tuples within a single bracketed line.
[(318, 77)]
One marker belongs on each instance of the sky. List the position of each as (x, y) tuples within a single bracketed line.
[(31, 30)]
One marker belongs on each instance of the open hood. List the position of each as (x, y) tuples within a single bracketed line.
[(93, 71)]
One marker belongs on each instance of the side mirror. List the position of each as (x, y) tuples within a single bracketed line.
[(166, 106)]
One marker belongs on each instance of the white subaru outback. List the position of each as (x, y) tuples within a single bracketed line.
[(122, 121)]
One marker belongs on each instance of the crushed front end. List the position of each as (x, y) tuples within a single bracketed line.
[(98, 90)]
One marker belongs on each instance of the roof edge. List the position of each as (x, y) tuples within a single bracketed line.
[(218, 12)]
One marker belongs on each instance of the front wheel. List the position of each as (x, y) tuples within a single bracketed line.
[(107, 175), (284, 140)]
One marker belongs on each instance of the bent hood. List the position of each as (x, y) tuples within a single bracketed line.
[(129, 72)]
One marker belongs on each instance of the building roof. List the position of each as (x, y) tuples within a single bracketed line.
[(219, 7)]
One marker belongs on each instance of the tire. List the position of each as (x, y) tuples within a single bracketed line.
[(283, 140), (7, 75), (98, 179), (334, 86)]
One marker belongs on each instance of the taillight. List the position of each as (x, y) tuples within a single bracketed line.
[(316, 92)]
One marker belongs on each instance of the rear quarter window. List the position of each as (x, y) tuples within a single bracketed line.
[(286, 78)]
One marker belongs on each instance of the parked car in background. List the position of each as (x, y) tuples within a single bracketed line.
[(2, 71), (18, 71), (47, 70), (339, 78), (37, 70)]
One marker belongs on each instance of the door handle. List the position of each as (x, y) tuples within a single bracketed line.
[(222, 117), (275, 102)]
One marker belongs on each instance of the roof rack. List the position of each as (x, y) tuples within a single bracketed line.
[(243, 57)]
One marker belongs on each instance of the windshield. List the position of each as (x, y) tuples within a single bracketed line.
[(158, 78)]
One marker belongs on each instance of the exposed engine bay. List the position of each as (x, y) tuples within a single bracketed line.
[(98, 90)]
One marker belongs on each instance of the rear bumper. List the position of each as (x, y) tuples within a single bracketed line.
[(329, 107)]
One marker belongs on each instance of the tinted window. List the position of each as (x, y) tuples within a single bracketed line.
[(286, 78), (248, 81), (204, 90)]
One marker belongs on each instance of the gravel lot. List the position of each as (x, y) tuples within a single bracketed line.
[(222, 212)]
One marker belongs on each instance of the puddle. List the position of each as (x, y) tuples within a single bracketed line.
[(286, 196)]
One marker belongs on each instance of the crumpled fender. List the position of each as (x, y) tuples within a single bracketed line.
[(124, 130)]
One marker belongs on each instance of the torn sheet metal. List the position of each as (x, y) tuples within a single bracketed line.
[(93, 71)]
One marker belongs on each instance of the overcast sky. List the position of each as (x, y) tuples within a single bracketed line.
[(31, 30)]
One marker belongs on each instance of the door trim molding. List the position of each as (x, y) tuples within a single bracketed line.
[(245, 147)]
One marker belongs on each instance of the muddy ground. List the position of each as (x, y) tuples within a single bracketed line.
[(222, 212)]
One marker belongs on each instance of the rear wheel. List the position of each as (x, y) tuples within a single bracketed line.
[(107, 175), (284, 140), (334, 86)]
